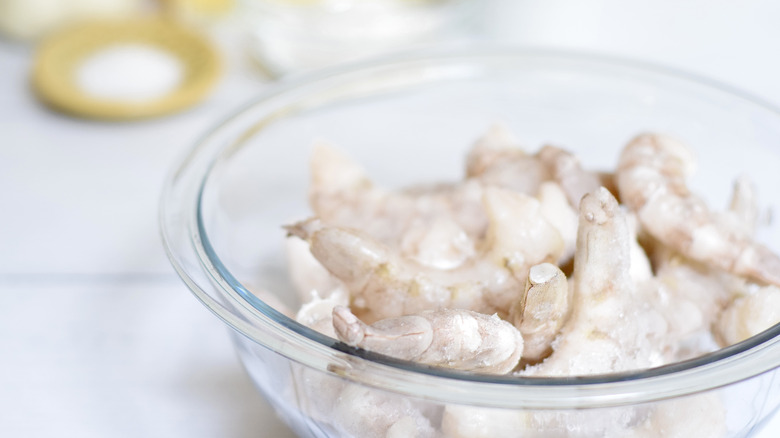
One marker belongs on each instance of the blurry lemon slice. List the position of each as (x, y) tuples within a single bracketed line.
[(87, 70)]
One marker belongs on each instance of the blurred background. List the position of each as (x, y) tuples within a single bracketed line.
[(98, 98)]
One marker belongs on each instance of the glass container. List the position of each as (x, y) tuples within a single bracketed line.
[(411, 119)]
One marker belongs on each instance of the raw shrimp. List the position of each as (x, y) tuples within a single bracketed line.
[(341, 194), (651, 179), (386, 285), (430, 271), (306, 273), (608, 330), (518, 237), (689, 295), (364, 412), (748, 316), (697, 416), (440, 244), (452, 338), (436, 226), (475, 422), (352, 410), (641, 269), (317, 312), (556, 210), (743, 205), (496, 159), (543, 309), (565, 169), (383, 284)]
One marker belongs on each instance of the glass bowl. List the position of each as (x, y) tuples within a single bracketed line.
[(411, 119)]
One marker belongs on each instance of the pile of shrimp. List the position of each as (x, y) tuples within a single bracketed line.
[(530, 266)]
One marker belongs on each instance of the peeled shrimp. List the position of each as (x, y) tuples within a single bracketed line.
[(565, 169), (697, 416), (475, 422), (748, 316), (459, 339), (651, 180), (496, 160), (689, 295), (518, 237), (543, 309), (640, 269), (386, 284), (317, 312), (341, 194), (383, 284), (556, 210), (478, 422), (607, 331), (440, 243), (306, 273), (364, 412), (743, 205)]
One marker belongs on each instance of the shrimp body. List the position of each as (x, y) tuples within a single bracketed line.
[(697, 416), (387, 284), (690, 296), (306, 274), (452, 338), (341, 194), (496, 160), (748, 316), (317, 313), (563, 217), (651, 175), (565, 169), (476, 422), (363, 412), (543, 309), (383, 284), (607, 331)]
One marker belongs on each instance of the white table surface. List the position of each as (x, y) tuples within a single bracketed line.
[(99, 338)]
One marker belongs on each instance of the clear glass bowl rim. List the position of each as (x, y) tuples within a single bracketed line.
[(272, 329)]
